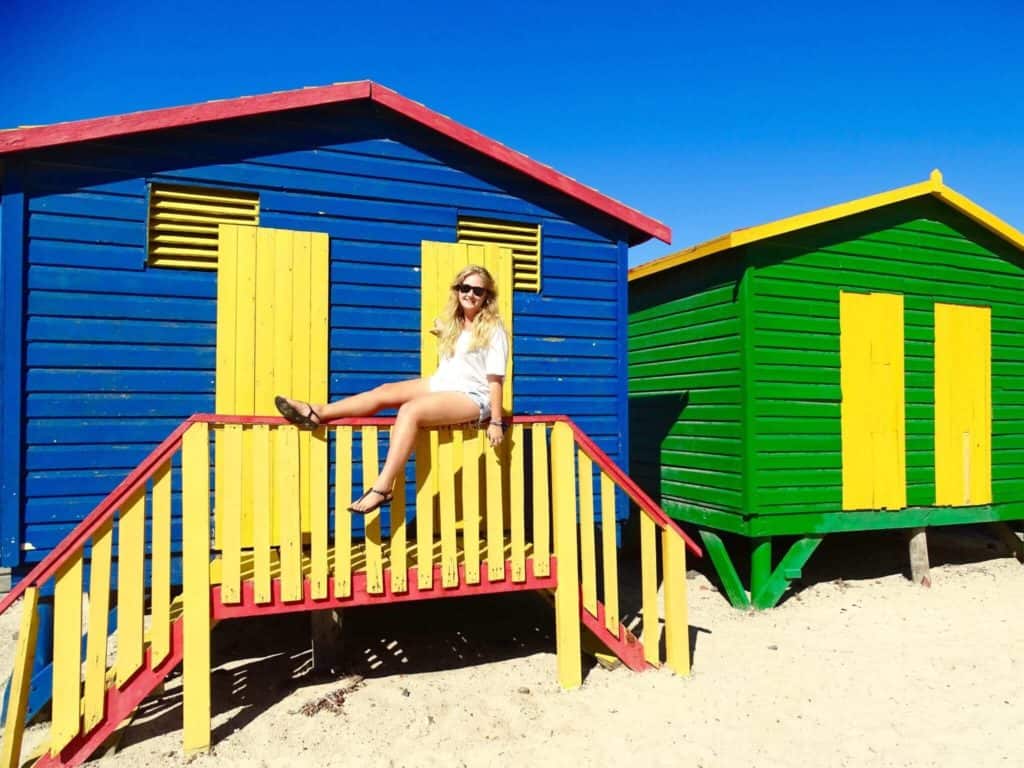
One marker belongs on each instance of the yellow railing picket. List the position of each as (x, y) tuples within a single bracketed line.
[(289, 509), (262, 512), (541, 506), (318, 514), (609, 555), (425, 482), (374, 555), (399, 540), (677, 631), (21, 678), (588, 556), (99, 606), (230, 515), (472, 449), (67, 653), (342, 517), (495, 515), (446, 486), (649, 590), (517, 502), (131, 541), (160, 586), (195, 470)]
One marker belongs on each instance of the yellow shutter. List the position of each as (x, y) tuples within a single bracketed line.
[(184, 221), (272, 337), (440, 263), (523, 239), (963, 405), (873, 413)]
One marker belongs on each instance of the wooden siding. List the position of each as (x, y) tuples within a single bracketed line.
[(928, 254), (118, 354), (685, 386)]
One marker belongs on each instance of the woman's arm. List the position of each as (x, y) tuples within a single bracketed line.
[(495, 431)]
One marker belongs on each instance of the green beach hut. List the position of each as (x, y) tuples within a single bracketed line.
[(859, 367)]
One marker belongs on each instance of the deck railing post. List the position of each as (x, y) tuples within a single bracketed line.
[(195, 470), (567, 593)]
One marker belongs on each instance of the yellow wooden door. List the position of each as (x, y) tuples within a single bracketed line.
[(873, 409), (273, 289), (963, 405)]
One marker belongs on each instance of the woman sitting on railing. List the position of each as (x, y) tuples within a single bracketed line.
[(473, 352)]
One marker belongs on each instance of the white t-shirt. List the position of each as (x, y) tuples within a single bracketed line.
[(467, 371)]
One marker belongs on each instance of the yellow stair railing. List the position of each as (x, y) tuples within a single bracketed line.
[(536, 514)]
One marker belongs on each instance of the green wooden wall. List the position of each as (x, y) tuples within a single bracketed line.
[(771, 450), (922, 250), (685, 391)]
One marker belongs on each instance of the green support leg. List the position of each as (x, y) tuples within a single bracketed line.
[(760, 565), (766, 593), (725, 569)]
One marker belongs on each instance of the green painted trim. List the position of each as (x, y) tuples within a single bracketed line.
[(725, 569), (748, 385), (719, 519), (760, 563), (789, 568), (913, 517)]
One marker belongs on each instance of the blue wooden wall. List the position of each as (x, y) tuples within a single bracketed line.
[(117, 354)]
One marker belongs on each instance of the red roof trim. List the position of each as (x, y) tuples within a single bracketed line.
[(23, 139)]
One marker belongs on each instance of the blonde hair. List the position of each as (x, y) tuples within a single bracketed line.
[(486, 322)]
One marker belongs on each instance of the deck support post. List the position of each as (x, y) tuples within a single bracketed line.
[(731, 582), (760, 563), (567, 592), (325, 628), (195, 470), (919, 557), (790, 567), (1012, 541)]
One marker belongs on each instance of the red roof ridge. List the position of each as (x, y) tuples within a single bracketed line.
[(39, 137)]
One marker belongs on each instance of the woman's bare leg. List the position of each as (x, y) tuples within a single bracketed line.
[(428, 410), (390, 395)]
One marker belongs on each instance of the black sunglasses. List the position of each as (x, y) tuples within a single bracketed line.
[(466, 288)]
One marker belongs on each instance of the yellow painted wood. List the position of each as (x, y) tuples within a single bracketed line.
[(517, 501), (934, 186), (873, 412), (541, 508), (319, 573), (963, 405), (131, 541), (440, 262), (289, 520), (522, 239), (284, 369), (160, 586), (495, 513), (677, 628), (99, 608), (588, 554), (230, 514), (21, 678), (374, 557), (649, 590), (567, 596), (425, 469), (183, 223), (245, 367), (265, 373), (399, 540), (472, 450), (342, 517), (262, 497), (67, 653), (195, 471), (609, 555), (446, 480)]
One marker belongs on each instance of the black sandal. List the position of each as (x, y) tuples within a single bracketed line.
[(303, 420), (385, 497)]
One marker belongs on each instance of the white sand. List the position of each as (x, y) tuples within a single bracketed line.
[(867, 671)]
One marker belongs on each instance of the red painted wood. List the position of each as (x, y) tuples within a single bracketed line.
[(542, 173), (75, 540), (119, 704), (625, 645), (249, 607), (38, 137)]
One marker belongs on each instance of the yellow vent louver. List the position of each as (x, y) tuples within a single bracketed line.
[(523, 239), (183, 223)]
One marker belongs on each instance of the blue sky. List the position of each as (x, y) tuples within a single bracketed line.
[(707, 116)]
